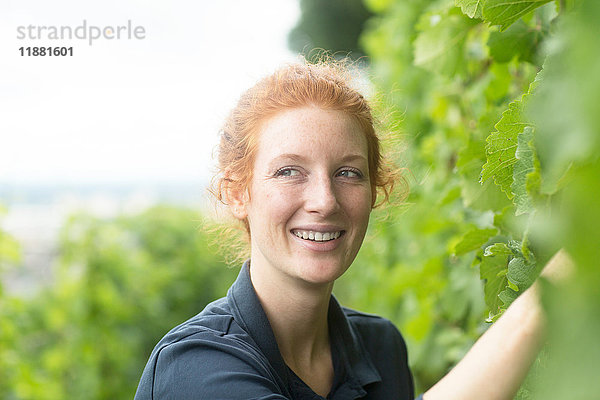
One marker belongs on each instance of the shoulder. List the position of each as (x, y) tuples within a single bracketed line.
[(204, 355), (372, 325), (379, 336), (386, 350)]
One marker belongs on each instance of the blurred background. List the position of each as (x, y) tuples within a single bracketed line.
[(107, 238)]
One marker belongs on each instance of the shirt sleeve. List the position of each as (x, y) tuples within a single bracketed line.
[(207, 369)]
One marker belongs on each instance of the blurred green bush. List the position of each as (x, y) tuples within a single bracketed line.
[(121, 284)]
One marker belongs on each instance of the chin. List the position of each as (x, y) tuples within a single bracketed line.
[(322, 273)]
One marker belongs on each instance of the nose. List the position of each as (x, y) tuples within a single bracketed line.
[(321, 197)]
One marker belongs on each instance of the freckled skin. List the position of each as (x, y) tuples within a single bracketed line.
[(311, 169)]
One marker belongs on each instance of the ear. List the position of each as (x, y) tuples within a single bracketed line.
[(236, 198), (237, 204)]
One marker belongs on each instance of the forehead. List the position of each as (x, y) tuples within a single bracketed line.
[(311, 131)]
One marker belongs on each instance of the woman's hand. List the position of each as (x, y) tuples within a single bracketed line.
[(499, 361)]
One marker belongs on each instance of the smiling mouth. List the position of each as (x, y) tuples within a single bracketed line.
[(317, 236)]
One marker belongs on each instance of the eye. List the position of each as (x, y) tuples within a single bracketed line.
[(287, 172), (350, 173)]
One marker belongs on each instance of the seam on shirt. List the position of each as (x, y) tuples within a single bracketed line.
[(200, 330)]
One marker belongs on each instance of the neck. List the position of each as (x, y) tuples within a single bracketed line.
[(297, 312)]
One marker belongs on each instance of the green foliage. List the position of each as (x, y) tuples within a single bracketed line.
[(504, 13), (473, 105), (494, 268), (519, 40), (440, 46), (501, 147), (564, 110), (9, 257), (9, 249), (525, 172), (434, 64), (472, 8), (120, 286), (473, 240)]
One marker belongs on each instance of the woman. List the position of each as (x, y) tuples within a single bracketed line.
[(300, 168)]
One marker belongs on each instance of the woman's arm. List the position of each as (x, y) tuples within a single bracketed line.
[(498, 362)]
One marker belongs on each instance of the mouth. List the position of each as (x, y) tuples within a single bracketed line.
[(315, 236)]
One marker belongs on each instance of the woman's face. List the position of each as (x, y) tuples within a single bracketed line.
[(310, 196)]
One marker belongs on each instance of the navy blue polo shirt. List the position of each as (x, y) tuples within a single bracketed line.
[(228, 351)]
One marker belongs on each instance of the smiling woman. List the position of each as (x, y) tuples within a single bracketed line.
[(300, 167), (311, 178)]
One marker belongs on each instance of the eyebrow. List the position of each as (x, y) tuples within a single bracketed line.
[(299, 158)]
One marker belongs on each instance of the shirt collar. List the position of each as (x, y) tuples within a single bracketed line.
[(350, 347), (248, 312)]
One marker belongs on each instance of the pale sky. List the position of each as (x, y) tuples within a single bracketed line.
[(130, 110)]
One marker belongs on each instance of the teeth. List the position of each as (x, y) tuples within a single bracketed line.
[(318, 236)]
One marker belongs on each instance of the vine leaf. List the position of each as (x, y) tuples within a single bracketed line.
[(440, 45), (506, 273), (472, 8), (473, 240), (525, 170), (501, 148), (521, 273), (493, 269), (501, 145), (505, 12), (474, 195), (507, 296), (518, 40)]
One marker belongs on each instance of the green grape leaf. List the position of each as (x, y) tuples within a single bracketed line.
[(519, 40), (440, 45), (501, 148), (521, 273), (502, 144), (472, 8), (504, 220), (474, 195), (500, 82), (511, 286), (533, 184), (504, 12), (473, 240), (526, 165), (507, 296), (526, 242), (493, 269)]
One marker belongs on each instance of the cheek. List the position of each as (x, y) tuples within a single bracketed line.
[(272, 207), (358, 206)]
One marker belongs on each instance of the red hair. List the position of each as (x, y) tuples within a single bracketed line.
[(325, 85)]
